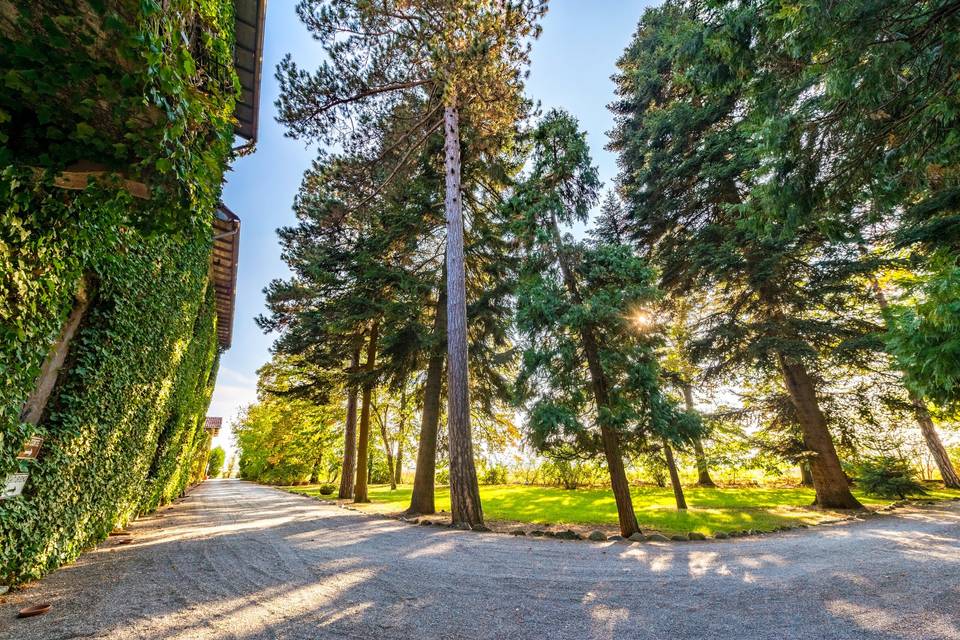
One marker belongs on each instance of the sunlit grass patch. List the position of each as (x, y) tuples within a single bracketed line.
[(711, 510)]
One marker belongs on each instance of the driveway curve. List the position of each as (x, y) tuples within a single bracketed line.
[(244, 562)]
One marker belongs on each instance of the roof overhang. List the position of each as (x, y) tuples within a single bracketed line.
[(223, 266), (248, 60)]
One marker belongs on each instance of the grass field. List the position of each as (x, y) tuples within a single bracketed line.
[(711, 510)]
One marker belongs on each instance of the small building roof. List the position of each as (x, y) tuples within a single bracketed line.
[(212, 425), (248, 60), (223, 266)]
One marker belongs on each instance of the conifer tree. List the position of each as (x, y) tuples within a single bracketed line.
[(705, 220), (873, 143), (588, 375), (461, 63)]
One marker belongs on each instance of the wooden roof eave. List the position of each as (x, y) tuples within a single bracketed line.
[(223, 270)]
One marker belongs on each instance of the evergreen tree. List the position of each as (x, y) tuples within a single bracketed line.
[(462, 62), (348, 257), (871, 144), (588, 376), (781, 289)]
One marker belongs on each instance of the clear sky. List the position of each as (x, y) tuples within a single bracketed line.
[(571, 68)]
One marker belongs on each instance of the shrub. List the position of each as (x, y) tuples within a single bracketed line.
[(494, 474), (327, 489), (443, 476), (570, 474), (215, 463), (888, 477)]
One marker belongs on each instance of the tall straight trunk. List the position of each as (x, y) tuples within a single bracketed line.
[(398, 464), (829, 481), (350, 434), (363, 441), (601, 393), (422, 499), (806, 477), (703, 470), (947, 471), (464, 488), (387, 449), (674, 476)]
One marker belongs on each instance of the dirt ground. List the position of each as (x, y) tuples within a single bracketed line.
[(240, 561)]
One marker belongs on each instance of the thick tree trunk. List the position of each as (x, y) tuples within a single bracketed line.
[(947, 471), (363, 440), (703, 470), (674, 476), (806, 477), (464, 488), (829, 481), (350, 434), (609, 437), (422, 500)]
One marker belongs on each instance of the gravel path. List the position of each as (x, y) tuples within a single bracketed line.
[(240, 561)]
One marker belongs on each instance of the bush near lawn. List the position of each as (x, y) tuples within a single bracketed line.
[(711, 510)]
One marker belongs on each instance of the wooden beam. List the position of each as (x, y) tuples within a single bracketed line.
[(77, 176), (50, 371)]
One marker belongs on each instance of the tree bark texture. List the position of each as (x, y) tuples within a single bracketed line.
[(350, 434), (464, 489), (422, 499), (829, 481), (674, 476), (363, 440)]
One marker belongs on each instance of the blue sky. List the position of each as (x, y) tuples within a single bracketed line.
[(571, 67)]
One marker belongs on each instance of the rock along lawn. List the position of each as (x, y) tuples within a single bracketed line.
[(711, 510)]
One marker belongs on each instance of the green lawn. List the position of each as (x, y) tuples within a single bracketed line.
[(711, 510)]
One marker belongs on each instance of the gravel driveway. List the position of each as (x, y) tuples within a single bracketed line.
[(240, 561)]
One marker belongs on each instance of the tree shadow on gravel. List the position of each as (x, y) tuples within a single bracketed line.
[(266, 564)]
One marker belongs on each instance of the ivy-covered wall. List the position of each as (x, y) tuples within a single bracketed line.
[(123, 423), (182, 434), (145, 91)]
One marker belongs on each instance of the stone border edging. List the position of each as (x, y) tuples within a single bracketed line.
[(599, 536)]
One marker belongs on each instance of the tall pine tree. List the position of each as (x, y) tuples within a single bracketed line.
[(589, 378), (462, 63)]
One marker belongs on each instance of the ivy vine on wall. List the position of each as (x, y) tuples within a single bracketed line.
[(146, 90)]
